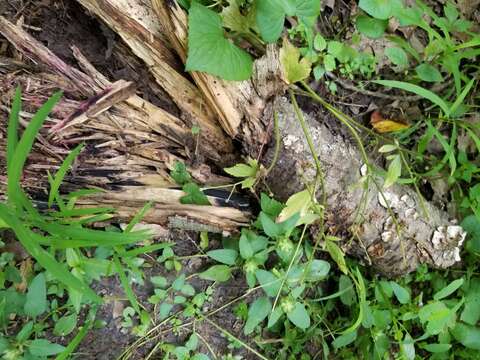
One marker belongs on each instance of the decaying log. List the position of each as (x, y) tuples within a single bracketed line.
[(389, 228), (136, 24), (131, 145)]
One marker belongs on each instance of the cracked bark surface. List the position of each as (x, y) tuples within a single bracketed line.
[(388, 228)]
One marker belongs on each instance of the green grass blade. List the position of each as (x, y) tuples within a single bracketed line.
[(126, 286), (93, 236), (93, 219), (12, 132), (24, 147), (418, 90), (461, 97), (81, 212), (60, 174), (44, 258), (448, 148), (138, 216), (145, 249), (472, 43)]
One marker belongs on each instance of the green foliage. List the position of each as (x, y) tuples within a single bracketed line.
[(271, 15), (194, 194), (371, 27), (210, 51)]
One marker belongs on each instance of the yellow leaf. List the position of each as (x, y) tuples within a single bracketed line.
[(382, 125), (389, 126), (293, 69)]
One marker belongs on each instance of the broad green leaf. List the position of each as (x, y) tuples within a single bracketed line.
[(471, 311), (467, 335), (270, 228), (242, 170), (270, 19), (251, 243), (436, 348), (270, 206), (318, 270), (407, 348), (319, 42), (42, 347), (208, 49), (257, 312), (25, 332), (293, 69), (471, 224), (194, 195), (269, 282), (225, 256), (159, 281), (344, 340), (381, 346), (318, 72), (371, 27), (394, 171), (329, 62), (220, 273), (337, 255), (402, 294), (65, 325), (192, 342), (379, 9), (345, 285), (305, 8), (36, 301), (449, 289), (187, 290), (4, 344), (179, 282), (275, 316), (299, 316), (427, 72), (164, 310), (437, 317), (299, 202), (381, 318), (397, 56), (418, 90)]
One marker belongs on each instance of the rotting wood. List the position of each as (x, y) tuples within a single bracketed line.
[(130, 143), (136, 24), (238, 105), (388, 228)]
